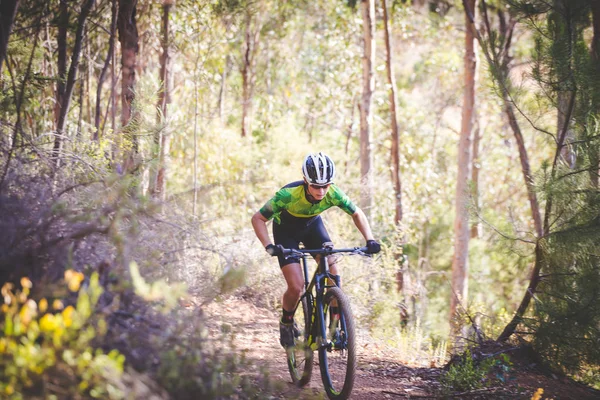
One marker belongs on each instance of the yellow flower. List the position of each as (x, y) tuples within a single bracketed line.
[(7, 292), (43, 305), (68, 316), (28, 311), (538, 394), (73, 279), (48, 323), (57, 305), (26, 283)]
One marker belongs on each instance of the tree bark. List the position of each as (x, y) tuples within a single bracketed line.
[(8, 12), (128, 36), (61, 42), (395, 156), (162, 139), (460, 281), (595, 50), (248, 75), (107, 62), (475, 165), (563, 27), (223, 86), (524, 158), (70, 80), (366, 117)]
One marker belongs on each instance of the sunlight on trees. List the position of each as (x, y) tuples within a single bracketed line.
[(146, 134)]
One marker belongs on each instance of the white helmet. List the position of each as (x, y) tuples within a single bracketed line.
[(318, 169)]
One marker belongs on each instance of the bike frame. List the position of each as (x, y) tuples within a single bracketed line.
[(318, 285)]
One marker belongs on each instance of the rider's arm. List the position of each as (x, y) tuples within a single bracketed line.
[(362, 223), (259, 223)]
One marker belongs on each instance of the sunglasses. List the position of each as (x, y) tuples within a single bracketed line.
[(320, 186)]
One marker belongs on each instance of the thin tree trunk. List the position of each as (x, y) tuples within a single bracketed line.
[(366, 117), (195, 164), (19, 102), (475, 165), (128, 36), (223, 86), (501, 61), (107, 62), (525, 168), (350, 128), (460, 277), (251, 45), (8, 12), (61, 42), (595, 50), (395, 156), (71, 78), (540, 259), (164, 99), (563, 26)]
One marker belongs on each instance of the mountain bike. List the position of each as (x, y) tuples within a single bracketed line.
[(324, 324)]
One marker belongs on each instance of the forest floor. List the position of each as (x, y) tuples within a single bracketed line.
[(379, 376)]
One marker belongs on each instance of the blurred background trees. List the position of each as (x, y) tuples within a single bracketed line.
[(120, 118)]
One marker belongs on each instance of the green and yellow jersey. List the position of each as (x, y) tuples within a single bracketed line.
[(291, 201)]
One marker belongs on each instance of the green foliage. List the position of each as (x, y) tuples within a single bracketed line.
[(159, 291), (47, 350), (466, 374)]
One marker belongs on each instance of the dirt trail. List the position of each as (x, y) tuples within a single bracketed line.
[(378, 375), (257, 333)]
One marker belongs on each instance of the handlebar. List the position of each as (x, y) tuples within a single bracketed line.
[(326, 251)]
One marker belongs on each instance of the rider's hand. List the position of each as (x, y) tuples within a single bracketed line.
[(274, 250), (373, 247)]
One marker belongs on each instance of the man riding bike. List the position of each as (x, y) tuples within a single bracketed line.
[(295, 209)]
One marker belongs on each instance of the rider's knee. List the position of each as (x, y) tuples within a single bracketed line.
[(296, 288)]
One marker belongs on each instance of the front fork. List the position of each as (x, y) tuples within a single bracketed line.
[(323, 310)]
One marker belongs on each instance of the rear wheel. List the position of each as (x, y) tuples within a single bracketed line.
[(300, 357), (337, 358)]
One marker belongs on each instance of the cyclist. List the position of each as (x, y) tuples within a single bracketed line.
[(295, 209)]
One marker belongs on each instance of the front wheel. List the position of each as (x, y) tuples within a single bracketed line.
[(300, 357), (337, 354)]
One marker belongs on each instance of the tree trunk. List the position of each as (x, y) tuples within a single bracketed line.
[(8, 12), (540, 259), (595, 50), (107, 62), (512, 121), (459, 293), (366, 118), (395, 156), (251, 39), (223, 86), (70, 81), (128, 36), (475, 165), (61, 42), (162, 140), (563, 27)]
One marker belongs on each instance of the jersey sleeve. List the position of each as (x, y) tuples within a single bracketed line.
[(341, 200), (276, 204)]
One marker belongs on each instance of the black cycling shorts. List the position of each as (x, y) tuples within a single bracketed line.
[(290, 235)]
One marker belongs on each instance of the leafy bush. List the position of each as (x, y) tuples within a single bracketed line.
[(467, 374), (46, 349)]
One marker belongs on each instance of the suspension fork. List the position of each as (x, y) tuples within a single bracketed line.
[(322, 285)]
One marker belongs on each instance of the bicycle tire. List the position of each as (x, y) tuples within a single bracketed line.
[(337, 357), (300, 357)]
